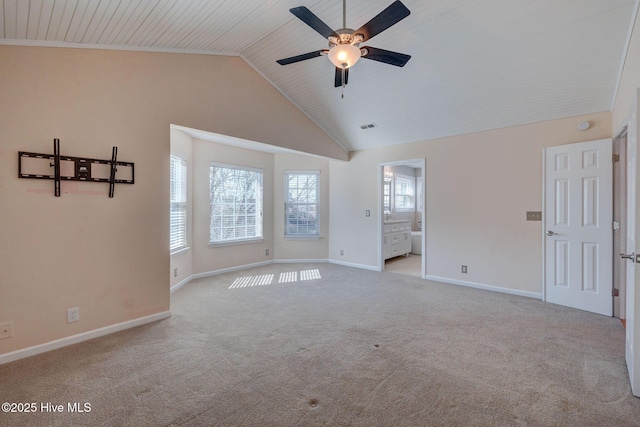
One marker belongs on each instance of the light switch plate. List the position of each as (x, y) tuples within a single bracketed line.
[(534, 216)]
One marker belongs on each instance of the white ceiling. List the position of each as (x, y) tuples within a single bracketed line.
[(476, 64)]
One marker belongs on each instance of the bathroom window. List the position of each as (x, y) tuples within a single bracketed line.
[(386, 195), (235, 204), (178, 204), (302, 192), (405, 191)]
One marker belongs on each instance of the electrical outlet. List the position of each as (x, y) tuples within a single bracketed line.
[(341, 251), (6, 330), (464, 269), (73, 314), (367, 213), (175, 272), (266, 251)]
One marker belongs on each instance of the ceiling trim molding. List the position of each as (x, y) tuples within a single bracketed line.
[(625, 53), (44, 43), (292, 101)]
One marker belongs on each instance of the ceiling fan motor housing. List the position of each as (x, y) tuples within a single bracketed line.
[(345, 36)]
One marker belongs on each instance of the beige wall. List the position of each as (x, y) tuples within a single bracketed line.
[(110, 256), (478, 188)]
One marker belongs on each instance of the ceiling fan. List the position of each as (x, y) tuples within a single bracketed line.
[(344, 44)]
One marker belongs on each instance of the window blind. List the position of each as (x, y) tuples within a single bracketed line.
[(235, 204), (178, 201)]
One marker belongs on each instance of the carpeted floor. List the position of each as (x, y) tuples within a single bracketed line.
[(326, 345)]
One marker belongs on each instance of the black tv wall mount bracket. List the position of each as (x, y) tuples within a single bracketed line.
[(84, 169)]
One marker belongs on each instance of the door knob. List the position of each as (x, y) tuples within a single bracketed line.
[(631, 257), (551, 233)]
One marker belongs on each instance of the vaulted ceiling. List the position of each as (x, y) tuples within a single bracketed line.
[(475, 64)]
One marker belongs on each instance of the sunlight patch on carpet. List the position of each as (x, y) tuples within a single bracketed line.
[(267, 279), (288, 277), (310, 274), (250, 281)]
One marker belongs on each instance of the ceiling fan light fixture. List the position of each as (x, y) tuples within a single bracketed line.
[(344, 50), (344, 55)]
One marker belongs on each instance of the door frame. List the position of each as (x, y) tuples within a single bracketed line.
[(620, 185), (421, 164)]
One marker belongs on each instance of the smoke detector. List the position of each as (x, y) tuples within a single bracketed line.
[(584, 125)]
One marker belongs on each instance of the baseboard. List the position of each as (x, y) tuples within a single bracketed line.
[(180, 284), (300, 261), (85, 336), (354, 265), (243, 267), (228, 270), (535, 295)]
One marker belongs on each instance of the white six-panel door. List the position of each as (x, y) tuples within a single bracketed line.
[(578, 226), (633, 362)]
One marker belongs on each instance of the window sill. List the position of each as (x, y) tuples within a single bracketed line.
[(235, 242), (303, 237), (179, 251)]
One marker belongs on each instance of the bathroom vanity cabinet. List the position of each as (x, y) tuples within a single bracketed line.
[(396, 238)]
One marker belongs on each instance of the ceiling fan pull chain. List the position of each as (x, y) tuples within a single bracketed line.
[(343, 81)]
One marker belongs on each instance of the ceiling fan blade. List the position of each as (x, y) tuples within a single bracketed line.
[(386, 56), (313, 21), (302, 57), (338, 78), (393, 14)]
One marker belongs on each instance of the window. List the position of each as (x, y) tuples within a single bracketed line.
[(405, 193), (178, 200), (301, 204), (386, 190), (386, 195), (235, 204)]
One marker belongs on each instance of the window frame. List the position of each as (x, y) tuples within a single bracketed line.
[(259, 206), (316, 204), (178, 206), (411, 195), (419, 194)]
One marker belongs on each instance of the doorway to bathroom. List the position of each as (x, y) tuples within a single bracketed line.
[(402, 231)]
